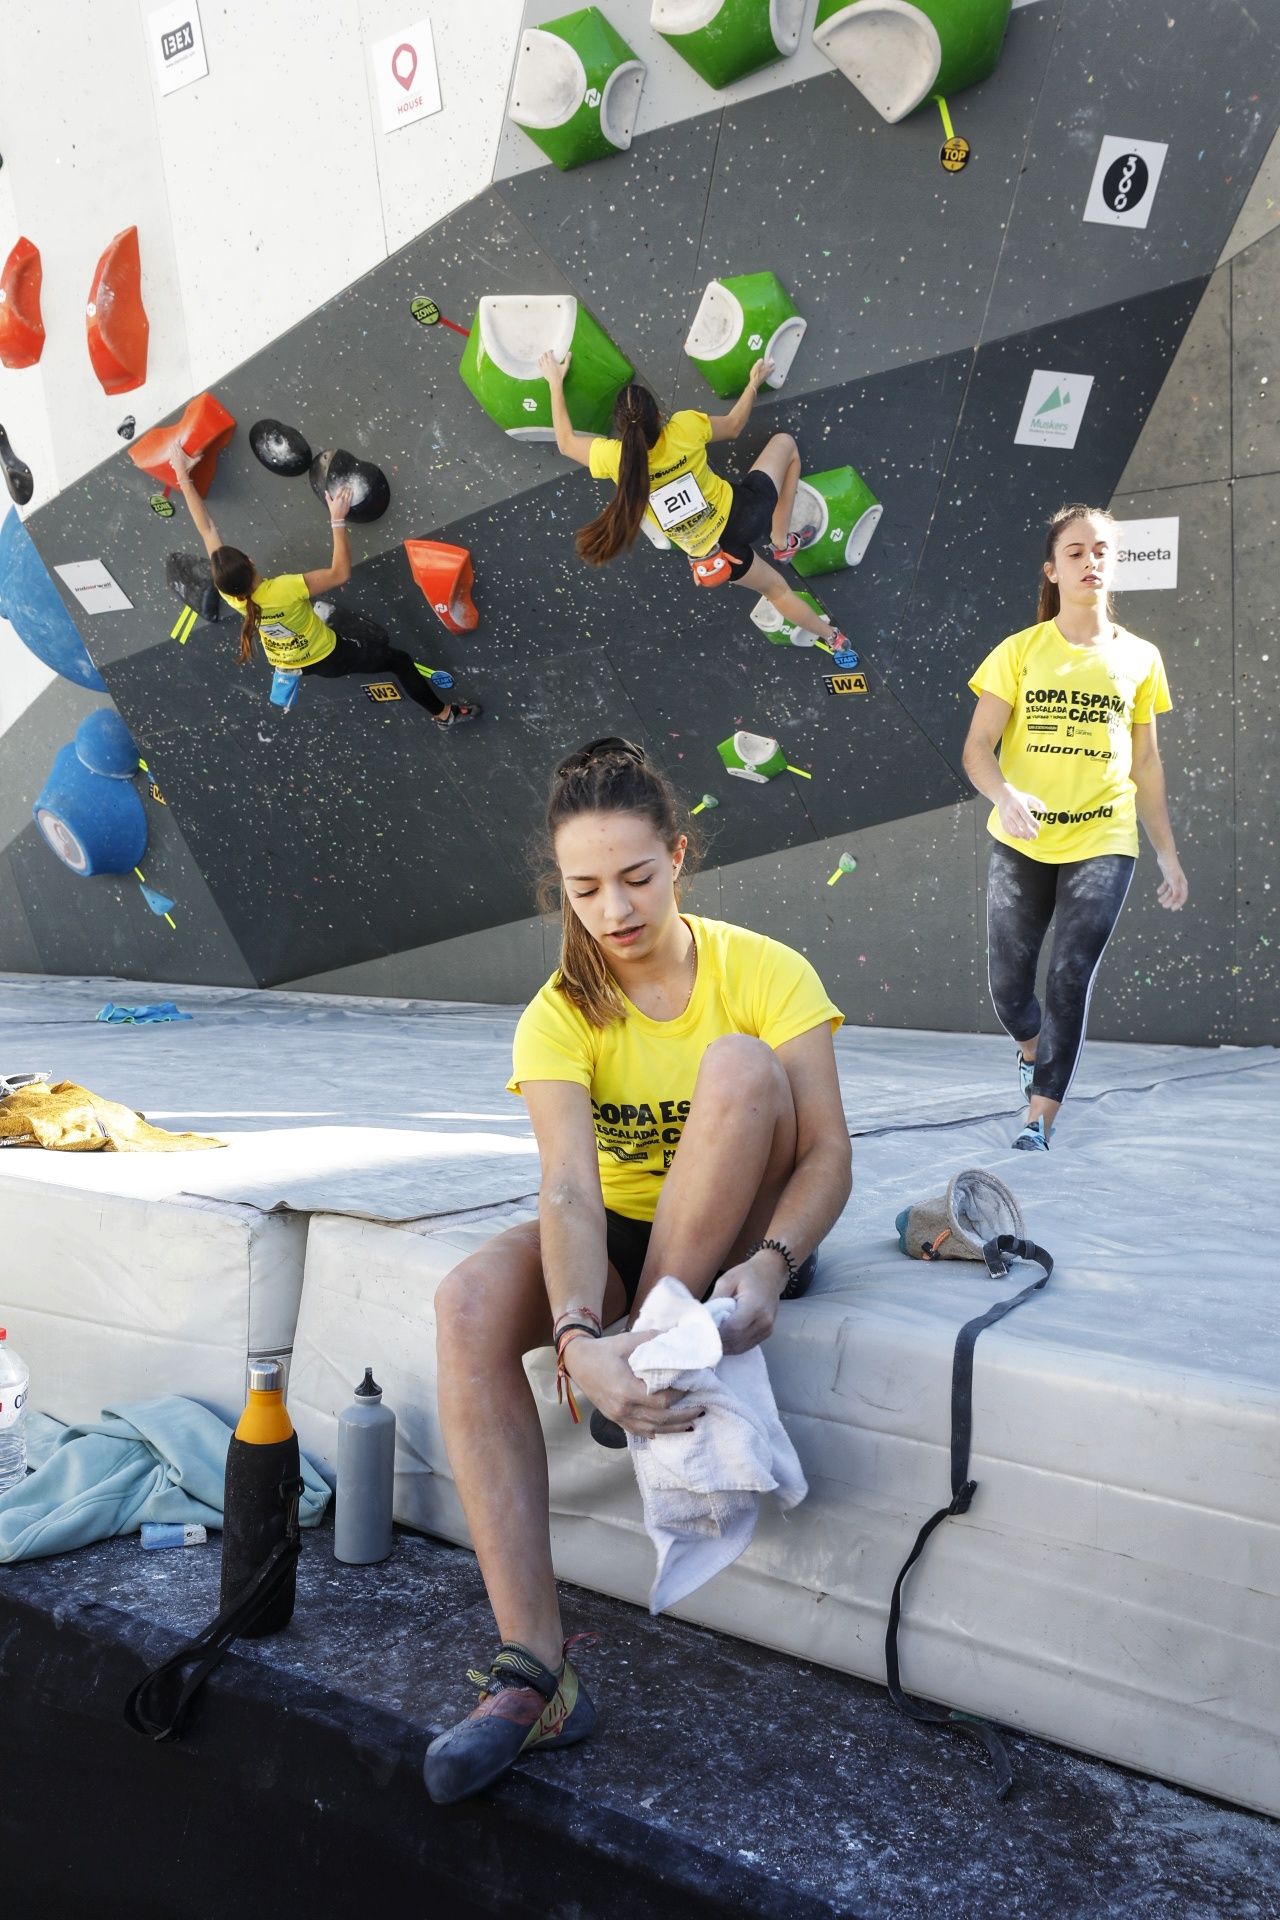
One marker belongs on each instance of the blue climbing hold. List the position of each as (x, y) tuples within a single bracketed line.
[(159, 903), (105, 745), (30, 602)]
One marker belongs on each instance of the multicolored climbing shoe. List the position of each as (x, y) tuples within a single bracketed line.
[(795, 542), (1032, 1139), (1026, 1074), (523, 1705), (459, 714)]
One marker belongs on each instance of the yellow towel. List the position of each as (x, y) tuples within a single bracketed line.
[(74, 1120)]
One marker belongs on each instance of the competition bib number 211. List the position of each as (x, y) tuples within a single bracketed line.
[(679, 502)]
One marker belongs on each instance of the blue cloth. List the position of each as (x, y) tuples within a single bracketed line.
[(140, 1016), (163, 1459)]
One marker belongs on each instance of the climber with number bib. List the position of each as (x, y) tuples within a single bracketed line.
[(297, 636), (663, 476)]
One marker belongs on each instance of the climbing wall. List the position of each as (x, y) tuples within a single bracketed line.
[(346, 844)]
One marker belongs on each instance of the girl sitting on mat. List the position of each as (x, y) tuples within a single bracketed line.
[(295, 635), (662, 475), (681, 1081), (1071, 703)]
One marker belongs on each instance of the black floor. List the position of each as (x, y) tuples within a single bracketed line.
[(723, 1779)]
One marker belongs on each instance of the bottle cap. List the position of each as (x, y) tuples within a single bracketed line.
[(368, 1388), (265, 1376)]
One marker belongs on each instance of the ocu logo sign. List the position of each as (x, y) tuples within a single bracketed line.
[(1125, 183)]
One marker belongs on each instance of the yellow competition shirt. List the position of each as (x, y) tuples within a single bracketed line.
[(1069, 739), (640, 1073), (687, 499), (292, 632)]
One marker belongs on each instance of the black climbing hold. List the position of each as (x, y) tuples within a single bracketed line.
[(370, 493), (281, 449), (17, 474), (128, 427), (188, 575)]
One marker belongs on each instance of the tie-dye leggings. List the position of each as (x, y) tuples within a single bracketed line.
[(1083, 899)]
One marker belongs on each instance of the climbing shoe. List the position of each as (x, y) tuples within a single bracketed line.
[(459, 714), (1032, 1139), (1026, 1074), (523, 1705), (794, 543)]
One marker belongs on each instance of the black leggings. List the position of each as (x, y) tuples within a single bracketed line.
[(1083, 898), (363, 647)]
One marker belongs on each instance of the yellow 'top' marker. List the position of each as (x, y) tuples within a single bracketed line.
[(847, 865), (707, 801), (954, 153)]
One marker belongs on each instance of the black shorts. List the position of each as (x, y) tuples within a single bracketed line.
[(754, 500), (627, 1243)]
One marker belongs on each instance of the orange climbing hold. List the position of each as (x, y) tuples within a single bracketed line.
[(116, 318), (446, 576), (204, 429), (21, 328)]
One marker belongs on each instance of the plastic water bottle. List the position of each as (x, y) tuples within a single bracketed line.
[(366, 1477), (13, 1415)]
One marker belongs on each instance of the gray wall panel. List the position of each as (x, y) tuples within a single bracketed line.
[(1257, 792)]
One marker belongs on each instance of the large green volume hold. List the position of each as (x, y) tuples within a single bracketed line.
[(500, 363), (577, 88), (899, 53), (724, 40)]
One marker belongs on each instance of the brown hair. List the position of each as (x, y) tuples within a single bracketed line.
[(609, 776), (234, 573), (637, 423), (1050, 598)]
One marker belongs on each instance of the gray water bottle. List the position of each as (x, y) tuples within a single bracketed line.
[(366, 1476)]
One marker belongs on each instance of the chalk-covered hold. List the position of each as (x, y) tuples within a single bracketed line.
[(899, 53), (370, 490), (846, 513), (724, 40), (105, 745), (281, 449), (743, 318), (577, 86), (500, 363)]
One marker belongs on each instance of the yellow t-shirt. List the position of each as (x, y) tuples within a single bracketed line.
[(292, 632), (1069, 739), (687, 499), (640, 1072)]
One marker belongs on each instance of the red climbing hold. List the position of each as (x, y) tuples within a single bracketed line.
[(204, 429), (116, 318), (446, 577), (21, 328)]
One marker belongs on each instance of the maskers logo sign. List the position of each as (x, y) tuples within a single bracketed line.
[(1124, 181), (1053, 409)]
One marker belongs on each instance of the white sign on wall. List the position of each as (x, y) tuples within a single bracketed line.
[(404, 72), (1125, 181), (94, 587), (1147, 555), (1053, 409), (177, 45)]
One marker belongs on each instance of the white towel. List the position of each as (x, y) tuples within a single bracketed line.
[(701, 1490)]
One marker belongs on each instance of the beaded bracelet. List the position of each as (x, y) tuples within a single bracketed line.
[(778, 1246)]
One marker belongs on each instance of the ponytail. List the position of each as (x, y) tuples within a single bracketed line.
[(637, 423), (1050, 600), (234, 574)]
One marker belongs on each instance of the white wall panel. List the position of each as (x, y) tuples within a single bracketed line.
[(23, 407), (22, 677), (77, 110), (429, 168)]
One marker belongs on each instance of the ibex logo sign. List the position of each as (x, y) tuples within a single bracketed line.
[(177, 45), (1125, 181)]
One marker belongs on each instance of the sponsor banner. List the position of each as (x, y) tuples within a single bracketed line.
[(1053, 409), (177, 45), (94, 587), (405, 76), (1146, 554), (1125, 181)]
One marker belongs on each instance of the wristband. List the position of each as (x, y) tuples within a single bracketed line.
[(576, 1330), (778, 1246), (339, 526)]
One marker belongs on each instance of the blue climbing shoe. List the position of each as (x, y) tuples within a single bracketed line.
[(1026, 1074), (1032, 1138), (523, 1705)]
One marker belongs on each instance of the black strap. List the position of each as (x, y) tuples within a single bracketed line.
[(997, 1254), (158, 1706)]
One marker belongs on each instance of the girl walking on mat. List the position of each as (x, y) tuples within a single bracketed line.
[(681, 1081), (1071, 704), (295, 635), (662, 475)]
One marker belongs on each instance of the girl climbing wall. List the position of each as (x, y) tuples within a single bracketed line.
[(662, 473), (1072, 703), (295, 635)]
